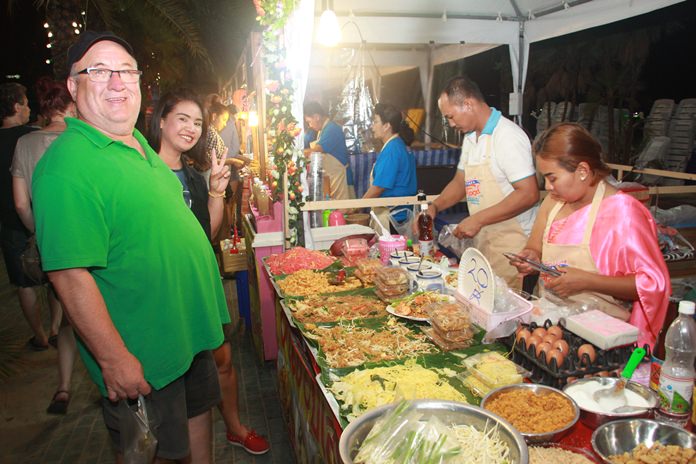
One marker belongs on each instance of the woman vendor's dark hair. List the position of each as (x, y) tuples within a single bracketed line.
[(53, 96), (570, 144), (389, 114), (165, 105)]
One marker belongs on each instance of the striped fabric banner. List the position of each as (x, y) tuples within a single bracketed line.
[(361, 164)]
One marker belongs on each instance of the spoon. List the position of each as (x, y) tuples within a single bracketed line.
[(385, 231), (616, 393)]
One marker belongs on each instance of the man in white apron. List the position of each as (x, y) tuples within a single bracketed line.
[(496, 175)]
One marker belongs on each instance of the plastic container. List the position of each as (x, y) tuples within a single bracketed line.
[(430, 280), (336, 218), (355, 248), (408, 261), (494, 370), (521, 310), (392, 283), (677, 374), (395, 256), (386, 247)]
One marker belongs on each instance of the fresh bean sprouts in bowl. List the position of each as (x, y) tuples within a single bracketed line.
[(424, 431)]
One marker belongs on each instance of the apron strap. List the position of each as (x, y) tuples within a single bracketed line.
[(552, 215), (594, 209)]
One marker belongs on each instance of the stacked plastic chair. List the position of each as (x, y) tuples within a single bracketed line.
[(544, 121), (681, 132)]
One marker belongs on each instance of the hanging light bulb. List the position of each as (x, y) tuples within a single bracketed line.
[(45, 25), (48, 61), (77, 31), (48, 45), (566, 5), (444, 16), (74, 24), (253, 119), (500, 17), (50, 34), (531, 15), (329, 33)]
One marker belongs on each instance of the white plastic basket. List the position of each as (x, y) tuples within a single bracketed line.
[(488, 320)]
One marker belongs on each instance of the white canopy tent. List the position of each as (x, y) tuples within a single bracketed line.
[(407, 34)]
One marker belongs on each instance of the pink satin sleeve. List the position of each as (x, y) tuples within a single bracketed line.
[(624, 241)]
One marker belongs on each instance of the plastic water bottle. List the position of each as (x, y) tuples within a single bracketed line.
[(677, 376)]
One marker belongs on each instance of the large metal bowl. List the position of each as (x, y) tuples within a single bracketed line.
[(622, 436), (594, 419), (449, 412), (530, 438)]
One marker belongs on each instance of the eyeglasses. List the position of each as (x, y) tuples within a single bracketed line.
[(128, 76)]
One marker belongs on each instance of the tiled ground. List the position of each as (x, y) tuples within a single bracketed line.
[(28, 435)]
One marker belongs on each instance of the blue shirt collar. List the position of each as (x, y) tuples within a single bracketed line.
[(492, 122)]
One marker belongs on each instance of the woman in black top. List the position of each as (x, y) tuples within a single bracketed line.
[(175, 134)]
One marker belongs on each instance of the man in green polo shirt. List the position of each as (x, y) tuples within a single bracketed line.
[(129, 260)]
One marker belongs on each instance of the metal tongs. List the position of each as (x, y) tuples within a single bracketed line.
[(536, 265)]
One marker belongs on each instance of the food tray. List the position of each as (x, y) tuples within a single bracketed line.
[(607, 362), (489, 321), (514, 375)]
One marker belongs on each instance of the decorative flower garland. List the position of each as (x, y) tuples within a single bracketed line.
[(282, 127)]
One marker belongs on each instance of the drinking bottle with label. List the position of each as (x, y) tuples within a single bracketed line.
[(677, 374)]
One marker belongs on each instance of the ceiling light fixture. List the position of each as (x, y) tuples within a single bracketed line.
[(329, 33)]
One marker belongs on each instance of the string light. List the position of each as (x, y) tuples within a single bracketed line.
[(45, 25), (50, 34), (48, 45), (48, 61), (77, 31), (74, 24)]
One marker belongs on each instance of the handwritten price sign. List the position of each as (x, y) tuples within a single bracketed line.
[(479, 280), (476, 281)]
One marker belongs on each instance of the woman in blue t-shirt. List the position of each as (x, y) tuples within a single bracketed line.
[(394, 172), (177, 125)]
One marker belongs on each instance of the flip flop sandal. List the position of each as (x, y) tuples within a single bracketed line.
[(57, 406), (34, 344)]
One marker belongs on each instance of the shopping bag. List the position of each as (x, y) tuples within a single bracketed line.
[(138, 442)]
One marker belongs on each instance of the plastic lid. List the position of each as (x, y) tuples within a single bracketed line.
[(687, 307)]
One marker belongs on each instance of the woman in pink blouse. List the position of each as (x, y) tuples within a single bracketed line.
[(603, 241)]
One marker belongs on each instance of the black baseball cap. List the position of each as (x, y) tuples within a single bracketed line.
[(89, 38)]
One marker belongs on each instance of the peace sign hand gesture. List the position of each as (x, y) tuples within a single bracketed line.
[(219, 175)]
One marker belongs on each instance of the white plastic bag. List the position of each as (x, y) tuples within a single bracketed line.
[(138, 442)]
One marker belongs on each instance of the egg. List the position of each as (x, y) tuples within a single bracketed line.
[(555, 330), (557, 355), (549, 338), (523, 334), (589, 350), (533, 341), (542, 348), (562, 346), (539, 332)]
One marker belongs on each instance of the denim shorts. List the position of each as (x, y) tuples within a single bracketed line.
[(169, 408)]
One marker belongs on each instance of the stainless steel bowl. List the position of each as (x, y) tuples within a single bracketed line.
[(530, 438), (594, 419), (449, 412), (622, 436)]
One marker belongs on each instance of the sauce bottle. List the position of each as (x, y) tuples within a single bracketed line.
[(425, 228)]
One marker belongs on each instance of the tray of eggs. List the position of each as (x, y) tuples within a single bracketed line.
[(556, 356)]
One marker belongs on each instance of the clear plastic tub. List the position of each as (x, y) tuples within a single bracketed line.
[(495, 370)]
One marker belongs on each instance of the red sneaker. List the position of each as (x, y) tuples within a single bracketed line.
[(252, 443)]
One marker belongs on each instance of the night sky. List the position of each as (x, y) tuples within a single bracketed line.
[(669, 73)]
